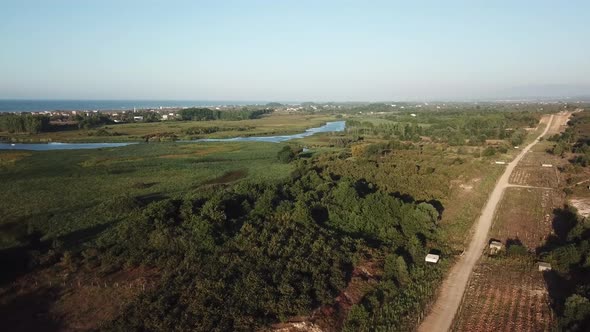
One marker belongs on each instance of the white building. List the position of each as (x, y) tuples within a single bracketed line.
[(544, 266), (495, 246), (432, 258)]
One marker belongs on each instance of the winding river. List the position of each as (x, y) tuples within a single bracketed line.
[(334, 126)]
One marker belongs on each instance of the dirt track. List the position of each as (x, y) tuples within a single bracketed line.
[(442, 314)]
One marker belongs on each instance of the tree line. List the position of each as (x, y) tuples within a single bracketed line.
[(568, 250), (207, 114), (14, 123), (575, 140), (450, 127)]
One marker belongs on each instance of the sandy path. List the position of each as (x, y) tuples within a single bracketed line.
[(451, 292), (559, 122)]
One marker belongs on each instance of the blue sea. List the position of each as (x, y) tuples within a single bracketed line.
[(21, 105)]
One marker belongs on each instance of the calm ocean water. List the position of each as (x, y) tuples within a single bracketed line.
[(8, 105)]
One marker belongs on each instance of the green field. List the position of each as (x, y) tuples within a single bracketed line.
[(63, 191)]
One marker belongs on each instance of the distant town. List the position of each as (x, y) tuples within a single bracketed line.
[(166, 113)]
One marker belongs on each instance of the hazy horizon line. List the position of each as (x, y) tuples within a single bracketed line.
[(267, 101)]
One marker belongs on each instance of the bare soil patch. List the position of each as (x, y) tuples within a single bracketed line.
[(11, 157), (78, 301), (505, 294), (559, 123), (530, 171), (526, 215), (582, 205)]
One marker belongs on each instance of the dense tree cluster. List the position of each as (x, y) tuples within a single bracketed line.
[(568, 250), (286, 154), (92, 120), (344, 141), (403, 131), (240, 258), (456, 129), (212, 129), (575, 139), (25, 123), (207, 114), (569, 255)]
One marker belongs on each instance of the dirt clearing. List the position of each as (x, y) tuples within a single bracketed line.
[(582, 205)]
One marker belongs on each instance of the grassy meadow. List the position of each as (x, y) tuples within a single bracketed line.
[(59, 192)]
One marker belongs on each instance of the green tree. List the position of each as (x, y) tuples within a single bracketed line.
[(396, 268), (357, 320), (286, 154), (489, 151), (576, 313)]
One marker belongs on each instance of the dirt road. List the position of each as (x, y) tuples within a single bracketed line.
[(451, 292)]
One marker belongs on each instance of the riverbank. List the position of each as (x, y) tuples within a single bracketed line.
[(272, 125), (336, 126)]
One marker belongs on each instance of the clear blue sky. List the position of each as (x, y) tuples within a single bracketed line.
[(293, 50)]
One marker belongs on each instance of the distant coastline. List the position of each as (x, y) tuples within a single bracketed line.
[(23, 105)]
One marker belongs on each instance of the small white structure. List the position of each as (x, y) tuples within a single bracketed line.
[(544, 266), (546, 165), (495, 246), (516, 147), (413, 114), (138, 118), (432, 258), (500, 163)]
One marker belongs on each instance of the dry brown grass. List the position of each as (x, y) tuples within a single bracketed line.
[(77, 301), (11, 157), (198, 150)]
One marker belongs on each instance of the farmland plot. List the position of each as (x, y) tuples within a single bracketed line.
[(525, 214), (530, 172), (507, 293), (532, 176), (494, 302), (538, 156)]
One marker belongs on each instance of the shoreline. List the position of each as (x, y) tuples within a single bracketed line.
[(15, 106)]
